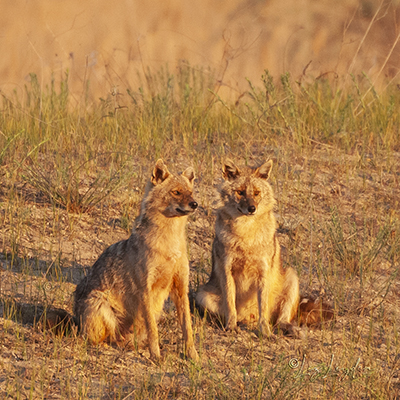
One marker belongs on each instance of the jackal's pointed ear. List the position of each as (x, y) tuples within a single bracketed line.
[(230, 171), (160, 172), (189, 174), (264, 171)]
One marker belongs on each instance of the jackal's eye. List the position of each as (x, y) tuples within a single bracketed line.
[(176, 192), (241, 192), (256, 193)]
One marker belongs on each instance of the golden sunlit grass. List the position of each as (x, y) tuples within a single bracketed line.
[(104, 44), (71, 184)]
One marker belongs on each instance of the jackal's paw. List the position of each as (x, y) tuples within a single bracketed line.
[(154, 352), (192, 353), (287, 329), (231, 324), (265, 328)]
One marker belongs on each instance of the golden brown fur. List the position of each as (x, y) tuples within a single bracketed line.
[(123, 295), (247, 279)]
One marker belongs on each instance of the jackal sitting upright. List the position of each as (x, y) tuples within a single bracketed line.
[(123, 294), (247, 277)]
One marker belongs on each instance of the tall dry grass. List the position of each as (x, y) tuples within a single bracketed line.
[(103, 45)]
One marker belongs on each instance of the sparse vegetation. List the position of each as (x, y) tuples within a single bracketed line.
[(71, 182)]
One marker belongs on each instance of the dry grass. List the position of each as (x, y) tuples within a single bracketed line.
[(337, 157), (103, 45)]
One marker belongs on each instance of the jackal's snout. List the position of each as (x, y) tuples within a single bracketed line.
[(251, 209), (247, 206), (187, 207), (193, 205), (252, 202)]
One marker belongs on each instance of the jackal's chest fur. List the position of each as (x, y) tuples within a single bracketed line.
[(249, 241), (164, 252)]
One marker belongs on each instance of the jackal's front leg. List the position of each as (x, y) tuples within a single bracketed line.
[(151, 324), (228, 290), (179, 296), (264, 307)]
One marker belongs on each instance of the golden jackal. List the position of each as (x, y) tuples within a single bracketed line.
[(123, 294), (247, 277)]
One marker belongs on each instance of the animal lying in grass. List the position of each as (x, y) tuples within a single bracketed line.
[(123, 294), (247, 278)]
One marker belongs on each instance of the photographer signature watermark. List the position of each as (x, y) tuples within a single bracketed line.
[(322, 371)]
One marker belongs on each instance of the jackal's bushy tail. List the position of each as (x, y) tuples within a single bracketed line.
[(313, 312), (209, 300)]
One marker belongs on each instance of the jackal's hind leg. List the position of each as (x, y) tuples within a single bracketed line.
[(98, 319), (289, 303)]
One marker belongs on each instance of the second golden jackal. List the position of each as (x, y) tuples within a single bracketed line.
[(123, 294), (247, 278)]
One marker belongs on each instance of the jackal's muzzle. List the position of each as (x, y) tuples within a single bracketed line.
[(187, 209), (247, 206)]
